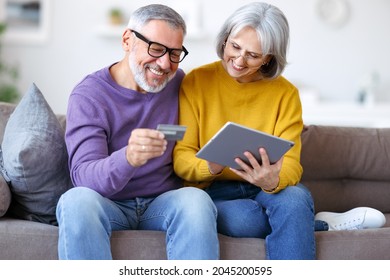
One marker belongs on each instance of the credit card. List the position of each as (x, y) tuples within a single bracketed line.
[(172, 132)]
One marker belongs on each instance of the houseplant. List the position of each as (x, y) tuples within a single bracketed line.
[(8, 77), (116, 16)]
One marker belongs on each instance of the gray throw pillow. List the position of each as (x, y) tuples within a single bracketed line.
[(35, 159)]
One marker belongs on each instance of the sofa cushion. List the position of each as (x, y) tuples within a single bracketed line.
[(35, 159), (347, 167), (6, 110), (5, 197), (5, 194), (330, 153)]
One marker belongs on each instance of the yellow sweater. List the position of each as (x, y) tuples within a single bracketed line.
[(209, 98)]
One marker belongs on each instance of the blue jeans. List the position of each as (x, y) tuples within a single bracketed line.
[(187, 215), (285, 219)]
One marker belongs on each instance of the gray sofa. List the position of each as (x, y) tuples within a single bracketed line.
[(343, 167)]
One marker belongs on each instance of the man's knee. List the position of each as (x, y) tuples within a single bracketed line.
[(195, 201), (77, 201)]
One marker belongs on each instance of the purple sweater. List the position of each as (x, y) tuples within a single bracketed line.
[(101, 115)]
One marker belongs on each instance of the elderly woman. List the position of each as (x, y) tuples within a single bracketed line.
[(260, 199)]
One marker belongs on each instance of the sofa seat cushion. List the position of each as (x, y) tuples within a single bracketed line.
[(27, 240), (35, 159), (36, 241), (365, 244)]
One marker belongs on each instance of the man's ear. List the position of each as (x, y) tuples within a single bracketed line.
[(126, 38)]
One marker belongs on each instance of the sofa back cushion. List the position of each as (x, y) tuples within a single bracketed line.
[(347, 167), (6, 110), (5, 194)]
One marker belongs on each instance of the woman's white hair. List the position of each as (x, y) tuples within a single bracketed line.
[(272, 29)]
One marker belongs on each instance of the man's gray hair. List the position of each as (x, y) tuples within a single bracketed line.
[(143, 15), (272, 29)]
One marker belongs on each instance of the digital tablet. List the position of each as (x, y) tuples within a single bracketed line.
[(232, 140)]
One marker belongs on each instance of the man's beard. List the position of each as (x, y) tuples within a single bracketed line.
[(139, 74)]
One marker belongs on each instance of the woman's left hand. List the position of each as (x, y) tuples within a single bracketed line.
[(264, 175)]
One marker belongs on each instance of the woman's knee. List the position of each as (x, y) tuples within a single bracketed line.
[(291, 198), (297, 198)]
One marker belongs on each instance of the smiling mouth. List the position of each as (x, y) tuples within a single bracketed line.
[(157, 72), (236, 67)]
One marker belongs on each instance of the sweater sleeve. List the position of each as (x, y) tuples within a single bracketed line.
[(90, 162), (289, 126)]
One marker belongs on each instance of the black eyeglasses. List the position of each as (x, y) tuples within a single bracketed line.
[(157, 50)]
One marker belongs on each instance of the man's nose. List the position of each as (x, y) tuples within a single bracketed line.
[(164, 61)]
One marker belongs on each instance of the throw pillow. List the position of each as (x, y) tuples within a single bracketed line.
[(5, 194), (35, 159)]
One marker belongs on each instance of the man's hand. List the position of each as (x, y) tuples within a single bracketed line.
[(143, 145)]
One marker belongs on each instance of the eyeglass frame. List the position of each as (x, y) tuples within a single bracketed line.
[(247, 56), (167, 50)]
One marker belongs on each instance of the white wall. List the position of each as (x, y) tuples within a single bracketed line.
[(331, 61)]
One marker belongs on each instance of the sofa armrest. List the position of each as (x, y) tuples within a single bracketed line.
[(5, 196)]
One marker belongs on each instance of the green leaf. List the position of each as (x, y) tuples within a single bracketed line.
[(8, 93)]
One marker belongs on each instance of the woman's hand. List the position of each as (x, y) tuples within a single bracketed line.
[(143, 145), (215, 168), (264, 175)]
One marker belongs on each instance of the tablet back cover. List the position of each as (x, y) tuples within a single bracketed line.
[(232, 140)]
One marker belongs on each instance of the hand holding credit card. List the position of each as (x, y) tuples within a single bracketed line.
[(172, 132)]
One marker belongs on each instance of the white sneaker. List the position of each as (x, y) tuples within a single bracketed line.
[(357, 218)]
